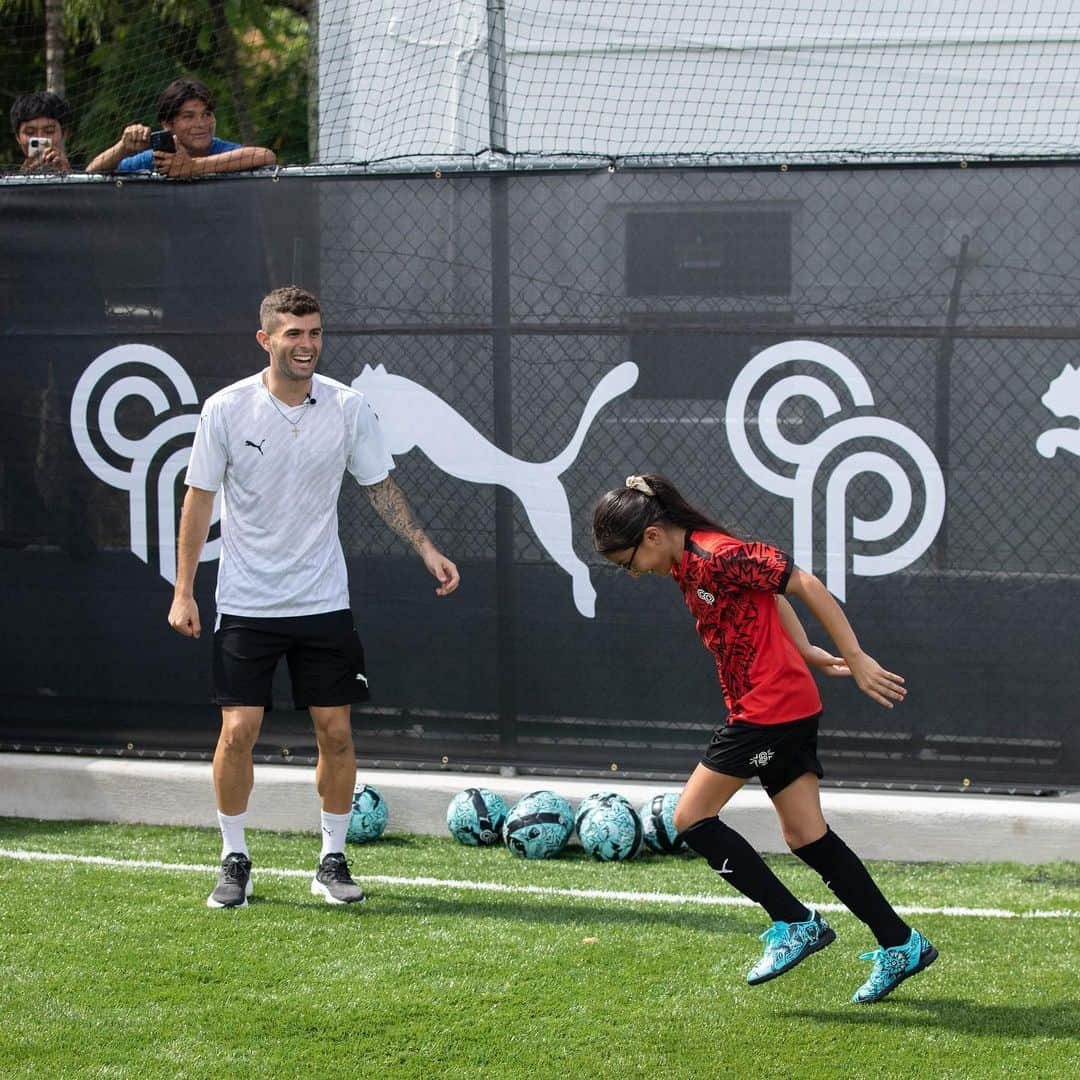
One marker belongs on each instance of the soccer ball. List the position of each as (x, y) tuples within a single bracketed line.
[(658, 820), (611, 831), (475, 816), (597, 798), (369, 815), (539, 825)]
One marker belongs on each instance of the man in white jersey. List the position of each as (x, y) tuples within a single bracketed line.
[(277, 445)]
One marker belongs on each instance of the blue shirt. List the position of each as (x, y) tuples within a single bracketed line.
[(144, 162)]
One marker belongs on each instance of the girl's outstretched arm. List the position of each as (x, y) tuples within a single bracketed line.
[(816, 657), (883, 686)]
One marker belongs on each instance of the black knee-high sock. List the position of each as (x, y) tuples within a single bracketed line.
[(744, 869), (843, 872)]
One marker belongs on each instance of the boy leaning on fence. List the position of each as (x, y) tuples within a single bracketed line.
[(188, 124)]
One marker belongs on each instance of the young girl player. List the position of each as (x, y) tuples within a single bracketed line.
[(733, 589)]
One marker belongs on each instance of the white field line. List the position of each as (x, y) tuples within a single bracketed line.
[(517, 890)]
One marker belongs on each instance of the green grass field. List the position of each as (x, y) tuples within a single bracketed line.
[(121, 971)]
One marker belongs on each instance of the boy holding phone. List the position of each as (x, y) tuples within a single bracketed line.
[(40, 123), (185, 145)]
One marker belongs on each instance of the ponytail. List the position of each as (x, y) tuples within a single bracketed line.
[(623, 514)]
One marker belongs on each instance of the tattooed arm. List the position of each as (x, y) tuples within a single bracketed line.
[(391, 505)]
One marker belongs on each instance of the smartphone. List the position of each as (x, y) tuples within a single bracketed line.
[(163, 140), (37, 144)]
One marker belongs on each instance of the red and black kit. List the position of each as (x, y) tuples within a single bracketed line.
[(772, 699), (729, 587)]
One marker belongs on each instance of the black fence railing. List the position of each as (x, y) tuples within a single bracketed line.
[(875, 368)]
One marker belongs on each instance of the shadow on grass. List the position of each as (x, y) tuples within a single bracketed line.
[(536, 911), (26, 830), (31, 828), (1057, 1021)]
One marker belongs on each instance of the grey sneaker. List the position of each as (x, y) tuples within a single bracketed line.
[(233, 884), (334, 883)]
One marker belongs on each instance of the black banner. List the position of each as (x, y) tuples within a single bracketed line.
[(875, 369)]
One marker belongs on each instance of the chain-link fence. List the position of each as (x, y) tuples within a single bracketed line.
[(500, 304)]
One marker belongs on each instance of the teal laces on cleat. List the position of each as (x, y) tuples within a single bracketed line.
[(786, 944), (893, 966)]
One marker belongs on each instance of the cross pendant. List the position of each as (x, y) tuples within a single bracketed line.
[(295, 431)]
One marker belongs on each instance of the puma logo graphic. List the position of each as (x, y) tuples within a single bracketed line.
[(258, 446), (412, 416)]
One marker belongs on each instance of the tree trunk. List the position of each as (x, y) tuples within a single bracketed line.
[(229, 65), (54, 46)]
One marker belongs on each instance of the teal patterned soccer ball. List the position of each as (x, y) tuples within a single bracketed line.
[(611, 831), (369, 815), (539, 825), (658, 821), (597, 798), (475, 817)]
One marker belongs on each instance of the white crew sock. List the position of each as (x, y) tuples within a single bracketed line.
[(232, 833), (334, 828)]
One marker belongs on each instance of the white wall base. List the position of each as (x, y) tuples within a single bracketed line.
[(904, 826)]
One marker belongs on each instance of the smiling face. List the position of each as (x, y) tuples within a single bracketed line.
[(294, 343), (193, 127)]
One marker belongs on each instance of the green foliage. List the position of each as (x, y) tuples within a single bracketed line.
[(122, 972), (122, 53)]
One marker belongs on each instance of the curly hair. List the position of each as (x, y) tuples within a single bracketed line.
[(286, 300)]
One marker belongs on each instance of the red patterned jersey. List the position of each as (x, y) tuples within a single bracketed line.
[(729, 586)]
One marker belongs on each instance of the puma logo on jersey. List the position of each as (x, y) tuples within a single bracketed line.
[(706, 596), (258, 446)]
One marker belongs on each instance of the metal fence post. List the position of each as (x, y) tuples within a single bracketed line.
[(505, 589), (943, 395)]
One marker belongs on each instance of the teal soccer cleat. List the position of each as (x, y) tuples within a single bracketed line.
[(786, 944), (893, 966)]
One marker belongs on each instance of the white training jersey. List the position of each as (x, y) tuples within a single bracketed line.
[(280, 468)]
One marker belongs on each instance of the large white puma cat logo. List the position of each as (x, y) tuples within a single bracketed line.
[(1062, 399), (411, 415)]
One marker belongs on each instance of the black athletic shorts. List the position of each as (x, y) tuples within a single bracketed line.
[(776, 754), (324, 654)]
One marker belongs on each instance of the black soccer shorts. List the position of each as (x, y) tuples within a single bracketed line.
[(324, 654), (777, 754)]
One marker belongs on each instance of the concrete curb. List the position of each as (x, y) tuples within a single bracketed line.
[(878, 825)]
